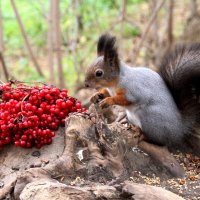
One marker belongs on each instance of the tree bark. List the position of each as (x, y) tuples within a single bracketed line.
[(4, 66), (1, 32), (5, 70), (122, 16), (25, 37), (75, 36), (170, 25), (50, 44), (194, 9), (57, 42)]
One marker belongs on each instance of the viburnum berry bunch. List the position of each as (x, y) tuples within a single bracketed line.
[(30, 115)]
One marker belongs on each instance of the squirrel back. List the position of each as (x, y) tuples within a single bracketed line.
[(181, 72)]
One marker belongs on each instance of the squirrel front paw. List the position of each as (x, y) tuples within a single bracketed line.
[(97, 98), (103, 104), (106, 103)]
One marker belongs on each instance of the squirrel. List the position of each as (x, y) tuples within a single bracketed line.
[(164, 104)]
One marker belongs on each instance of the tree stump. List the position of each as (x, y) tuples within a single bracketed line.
[(98, 153)]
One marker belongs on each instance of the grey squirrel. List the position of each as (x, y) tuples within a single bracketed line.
[(165, 105)]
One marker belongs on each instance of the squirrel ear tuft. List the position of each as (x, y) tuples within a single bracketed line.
[(107, 47), (101, 43), (110, 53)]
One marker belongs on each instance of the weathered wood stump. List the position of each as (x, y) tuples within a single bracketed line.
[(97, 152), (128, 190)]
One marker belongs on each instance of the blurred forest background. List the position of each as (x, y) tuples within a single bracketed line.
[(54, 41)]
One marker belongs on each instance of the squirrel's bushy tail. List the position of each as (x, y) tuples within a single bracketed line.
[(181, 72)]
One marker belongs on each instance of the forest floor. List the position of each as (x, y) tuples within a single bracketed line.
[(187, 187)]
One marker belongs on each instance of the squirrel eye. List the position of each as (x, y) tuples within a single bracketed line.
[(99, 73)]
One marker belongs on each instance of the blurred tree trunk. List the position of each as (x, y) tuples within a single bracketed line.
[(166, 38), (152, 42), (1, 32), (123, 15), (155, 25), (194, 10), (146, 30), (170, 25), (163, 42), (122, 21), (191, 32), (57, 41), (50, 44), (5, 71), (75, 35), (25, 37)]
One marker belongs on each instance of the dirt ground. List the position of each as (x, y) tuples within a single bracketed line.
[(187, 187)]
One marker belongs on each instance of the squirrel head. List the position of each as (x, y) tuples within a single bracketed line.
[(104, 70)]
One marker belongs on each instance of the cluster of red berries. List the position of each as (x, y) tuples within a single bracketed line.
[(30, 115)]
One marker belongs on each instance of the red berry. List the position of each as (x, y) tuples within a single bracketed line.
[(78, 105), (63, 94), (16, 96), (48, 107), (43, 105), (7, 140), (57, 111), (49, 119), (3, 127), (53, 134), (53, 125), (25, 124), (64, 90), (24, 137), (40, 111), (69, 103), (48, 97), (28, 106), (63, 122), (10, 125), (22, 143), (6, 114), (49, 141), (17, 136), (28, 114), (33, 108), (63, 105), (34, 97), (61, 114), (59, 102), (28, 145), (17, 143), (52, 110), (73, 109), (20, 125), (39, 131)]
